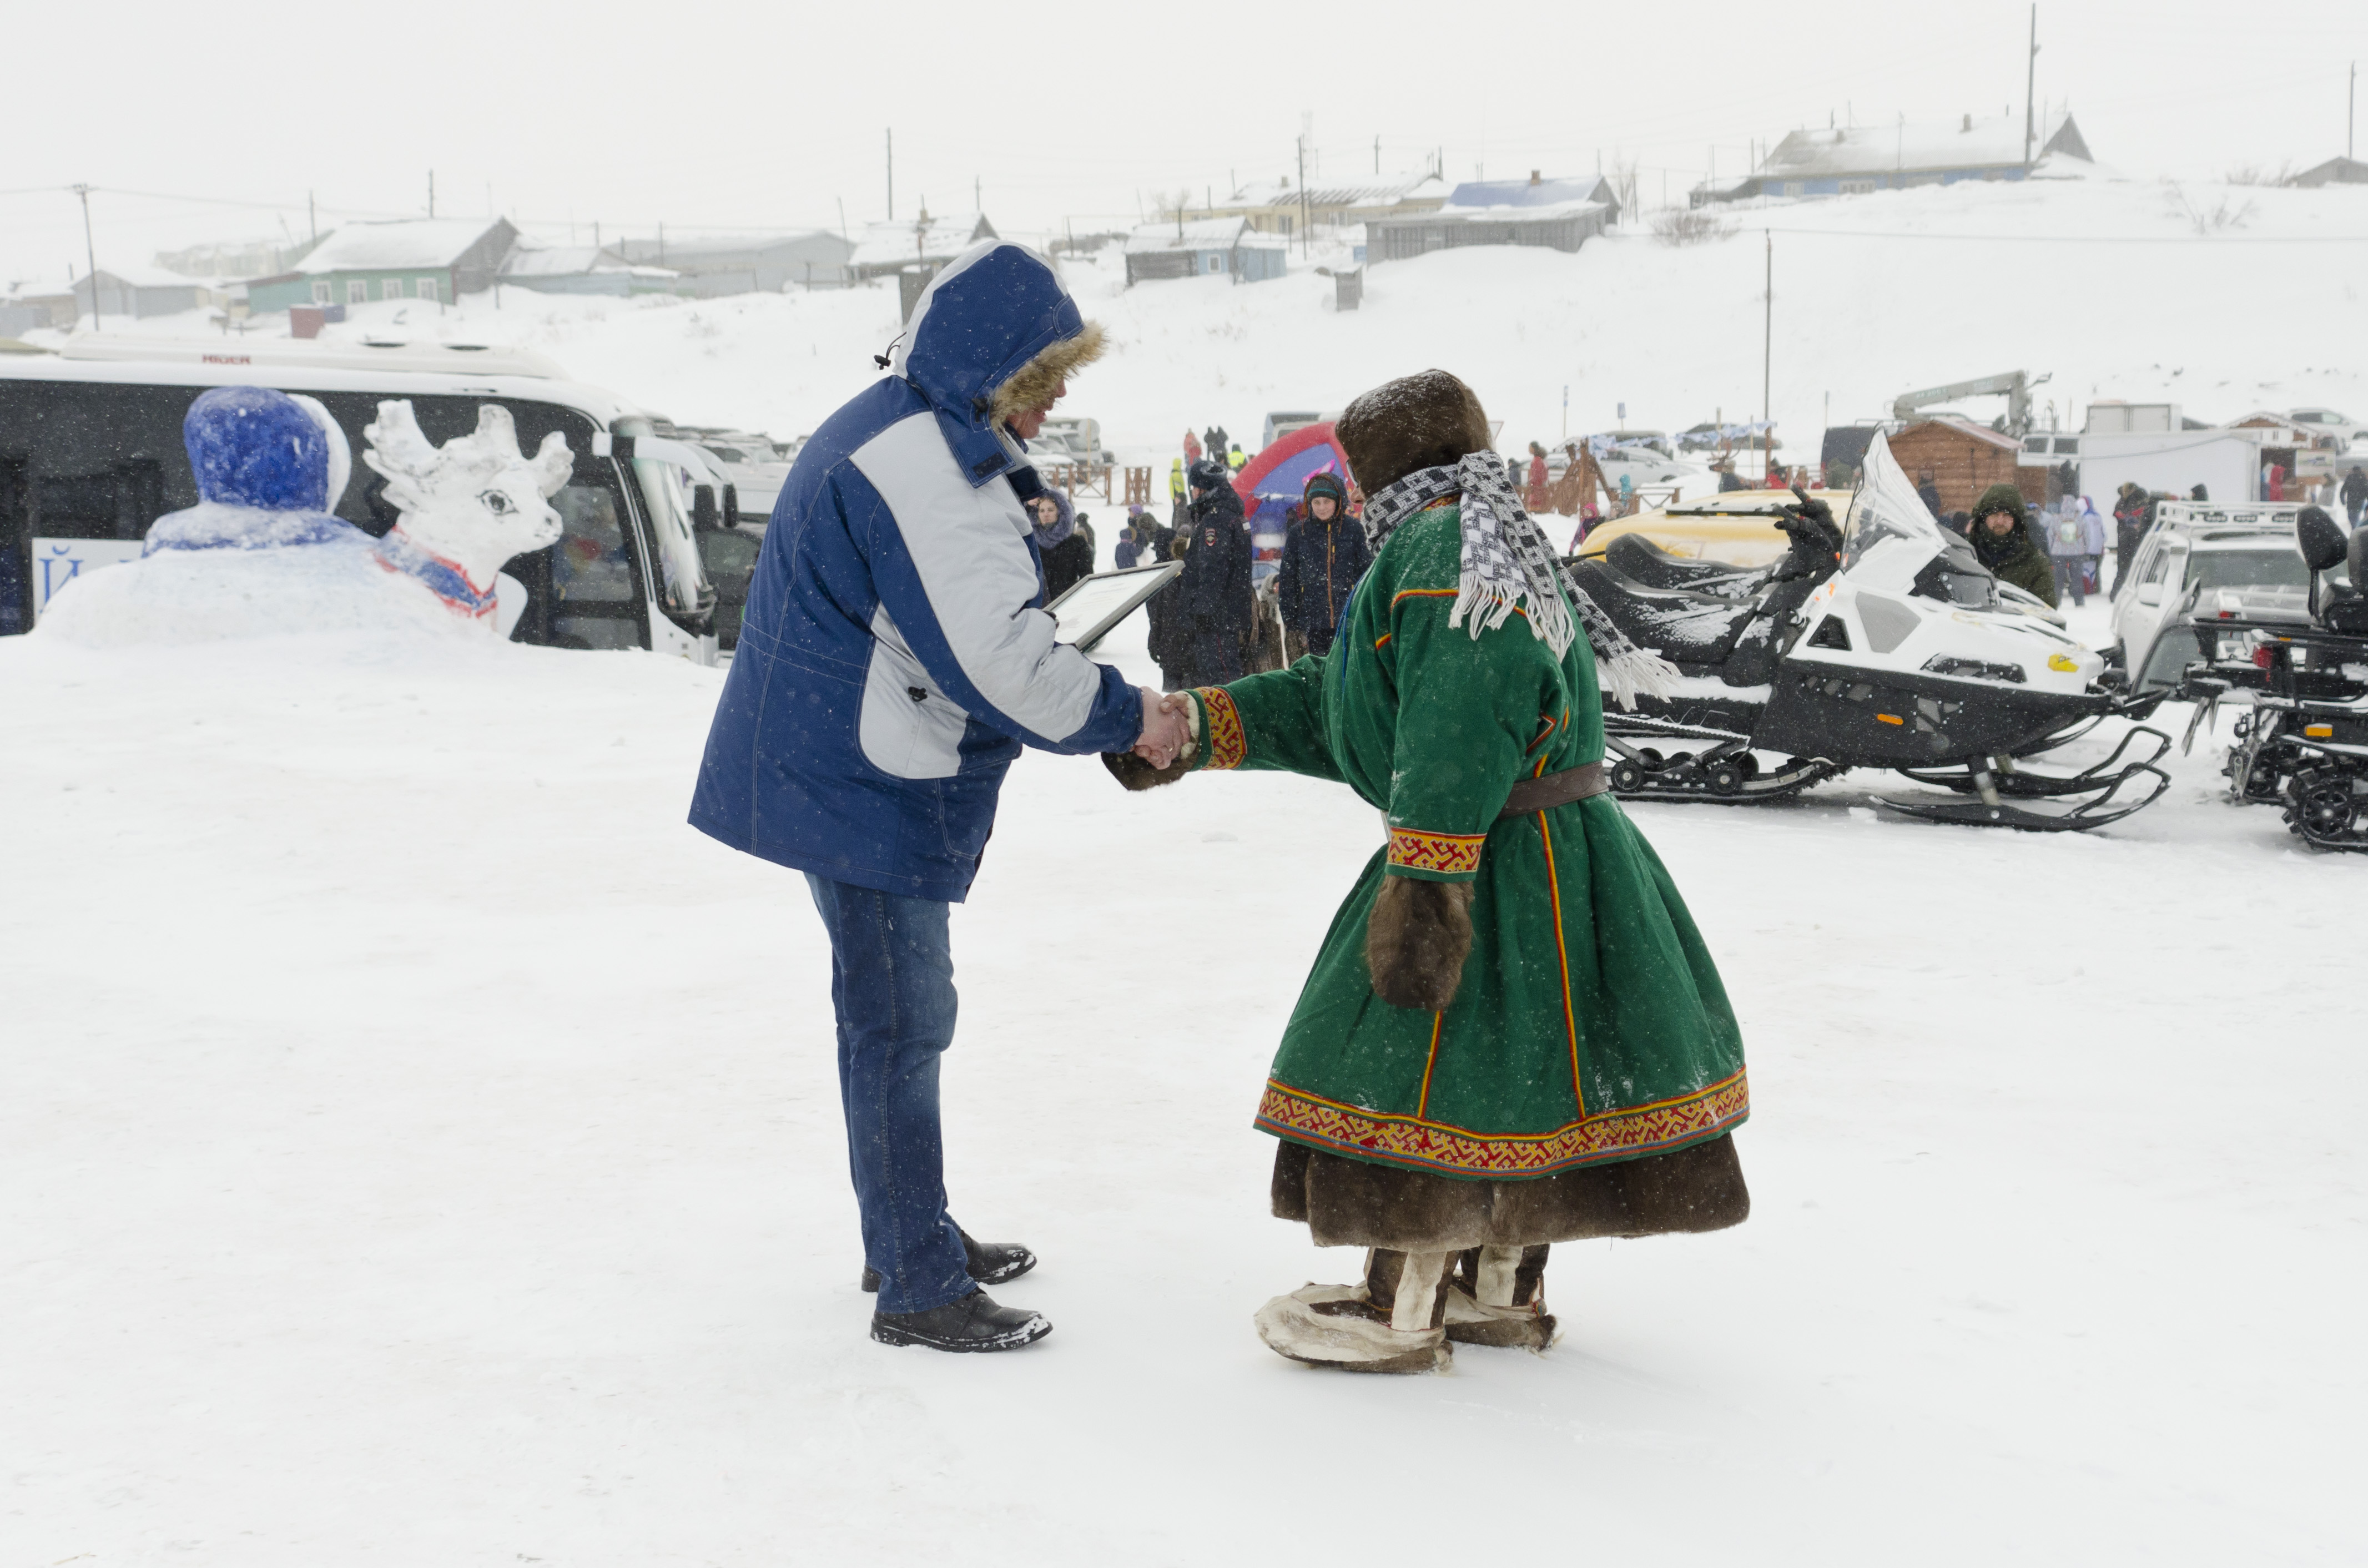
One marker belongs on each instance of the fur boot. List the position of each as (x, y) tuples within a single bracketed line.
[(1394, 1322), (1498, 1297), (1416, 939)]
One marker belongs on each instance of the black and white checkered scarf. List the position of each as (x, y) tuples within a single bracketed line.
[(1508, 565)]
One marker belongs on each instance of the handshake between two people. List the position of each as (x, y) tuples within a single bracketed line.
[(1163, 751)]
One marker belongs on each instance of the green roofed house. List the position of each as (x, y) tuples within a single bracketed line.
[(414, 258)]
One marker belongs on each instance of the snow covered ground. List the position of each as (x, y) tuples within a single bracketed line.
[(416, 1146)]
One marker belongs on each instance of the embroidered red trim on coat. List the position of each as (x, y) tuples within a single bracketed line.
[(1227, 742), (1412, 1141), (1455, 853)]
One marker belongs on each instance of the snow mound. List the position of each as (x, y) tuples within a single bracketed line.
[(210, 596)]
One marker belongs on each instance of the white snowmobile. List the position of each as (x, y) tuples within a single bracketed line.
[(1884, 644), (2302, 740)]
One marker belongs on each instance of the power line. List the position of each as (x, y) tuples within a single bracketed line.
[(2076, 239)]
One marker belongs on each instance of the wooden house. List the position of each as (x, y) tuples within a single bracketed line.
[(1966, 459)]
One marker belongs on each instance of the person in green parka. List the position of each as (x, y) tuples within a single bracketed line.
[(1514, 1034), (2006, 546)]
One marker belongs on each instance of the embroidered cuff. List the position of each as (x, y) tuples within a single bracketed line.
[(1439, 856), (1222, 742)]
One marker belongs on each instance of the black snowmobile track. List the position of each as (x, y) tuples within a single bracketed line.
[(1725, 773)]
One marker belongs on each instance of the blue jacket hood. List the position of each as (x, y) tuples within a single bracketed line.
[(987, 313)]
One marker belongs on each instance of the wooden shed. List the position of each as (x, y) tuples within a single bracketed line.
[(1966, 459)]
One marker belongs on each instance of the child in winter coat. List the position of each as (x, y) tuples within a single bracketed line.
[(1322, 559)]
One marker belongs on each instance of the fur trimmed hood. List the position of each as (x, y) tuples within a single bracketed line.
[(1034, 383), (994, 318)]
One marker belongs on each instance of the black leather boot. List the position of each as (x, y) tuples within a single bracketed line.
[(975, 1323), (990, 1263)]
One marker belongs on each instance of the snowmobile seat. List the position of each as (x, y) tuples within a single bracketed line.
[(1687, 628), (1639, 559)]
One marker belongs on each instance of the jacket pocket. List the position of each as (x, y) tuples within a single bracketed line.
[(908, 728)]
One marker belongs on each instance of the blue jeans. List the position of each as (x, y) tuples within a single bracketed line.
[(892, 985)]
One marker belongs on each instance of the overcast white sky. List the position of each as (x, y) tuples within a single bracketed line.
[(719, 116)]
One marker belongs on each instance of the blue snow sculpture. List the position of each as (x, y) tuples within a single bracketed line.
[(269, 466)]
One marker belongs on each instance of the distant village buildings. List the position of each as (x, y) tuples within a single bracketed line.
[(417, 258), (1856, 160), (1558, 214), (1279, 207), (1197, 247)]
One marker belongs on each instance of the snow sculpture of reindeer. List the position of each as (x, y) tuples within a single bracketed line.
[(468, 505)]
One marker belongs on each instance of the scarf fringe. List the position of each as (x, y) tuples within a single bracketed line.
[(1637, 671)]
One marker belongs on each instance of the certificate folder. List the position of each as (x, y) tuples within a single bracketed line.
[(1089, 606)]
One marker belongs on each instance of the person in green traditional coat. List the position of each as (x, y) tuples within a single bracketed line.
[(1513, 1035)]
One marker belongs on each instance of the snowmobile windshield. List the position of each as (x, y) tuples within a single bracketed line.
[(1893, 541)]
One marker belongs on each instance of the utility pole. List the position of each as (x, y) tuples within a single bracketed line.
[(977, 202), (431, 193), (2350, 107), (2030, 81), (1766, 358), (90, 249), (892, 174), (312, 217), (1377, 155), (1302, 195)]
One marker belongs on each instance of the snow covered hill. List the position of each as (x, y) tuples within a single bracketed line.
[(2105, 283), (416, 1145)]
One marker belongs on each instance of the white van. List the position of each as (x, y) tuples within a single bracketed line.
[(2204, 557), (91, 454)]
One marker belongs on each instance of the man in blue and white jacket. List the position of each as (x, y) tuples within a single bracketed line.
[(894, 659)]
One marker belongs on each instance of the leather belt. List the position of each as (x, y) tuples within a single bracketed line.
[(1556, 789)]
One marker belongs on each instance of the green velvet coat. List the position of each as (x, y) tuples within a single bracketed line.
[(1590, 1026)]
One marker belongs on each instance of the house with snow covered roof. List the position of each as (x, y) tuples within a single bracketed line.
[(411, 258), (890, 247), (1199, 247), (1279, 207), (1556, 214), (584, 270), (716, 265), (1854, 159), (138, 292)]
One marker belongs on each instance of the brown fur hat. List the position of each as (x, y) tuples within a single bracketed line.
[(1032, 385), (1414, 422)]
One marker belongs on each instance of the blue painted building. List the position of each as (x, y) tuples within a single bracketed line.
[(1204, 248)]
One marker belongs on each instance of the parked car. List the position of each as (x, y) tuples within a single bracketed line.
[(1280, 425), (1068, 438), (2203, 558), (91, 455), (2327, 421)]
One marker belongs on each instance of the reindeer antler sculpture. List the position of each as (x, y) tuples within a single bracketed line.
[(468, 505)]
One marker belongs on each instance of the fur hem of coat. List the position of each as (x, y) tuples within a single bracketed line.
[(1033, 384), (1345, 1202)]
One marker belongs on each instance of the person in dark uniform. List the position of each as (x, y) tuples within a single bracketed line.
[(1322, 560), (1211, 612)]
